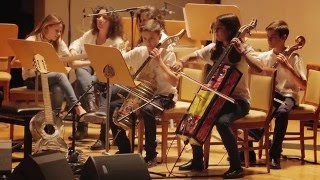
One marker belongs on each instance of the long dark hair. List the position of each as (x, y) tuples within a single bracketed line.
[(41, 28), (115, 27), (232, 24)]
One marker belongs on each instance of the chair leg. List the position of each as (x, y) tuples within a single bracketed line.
[(164, 139), (260, 150), (302, 140), (206, 152), (315, 133), (11, 131), (245, 147), (178, 145), (267, 147)]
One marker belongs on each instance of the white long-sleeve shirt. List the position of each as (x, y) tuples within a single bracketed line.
[(89, 38), (284, 85), (152, 72)]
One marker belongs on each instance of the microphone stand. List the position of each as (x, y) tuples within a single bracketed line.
[(73, 155)]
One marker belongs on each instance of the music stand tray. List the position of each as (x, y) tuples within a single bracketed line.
[(110, 68)]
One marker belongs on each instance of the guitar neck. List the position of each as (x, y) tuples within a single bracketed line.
[(46, 98)]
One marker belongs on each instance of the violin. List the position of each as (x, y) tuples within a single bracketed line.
[(300, 41)]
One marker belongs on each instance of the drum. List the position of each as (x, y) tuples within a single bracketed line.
[(121, 116)]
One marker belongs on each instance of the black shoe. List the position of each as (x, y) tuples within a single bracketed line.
[(192, 165), (79, 135), (151, 161), (233, 174), (92, 106), (98, 145), (275, 163)]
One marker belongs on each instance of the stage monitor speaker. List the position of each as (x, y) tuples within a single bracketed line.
[(5, 157), (119, 166), (50, 165)]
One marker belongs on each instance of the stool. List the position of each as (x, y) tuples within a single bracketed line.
[(20, 114)]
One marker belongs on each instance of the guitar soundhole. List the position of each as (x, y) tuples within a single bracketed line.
[(49, 129)]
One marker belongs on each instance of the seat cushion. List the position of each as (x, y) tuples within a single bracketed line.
[(4, 76), (180, 107), (253, 116), (304, 108)]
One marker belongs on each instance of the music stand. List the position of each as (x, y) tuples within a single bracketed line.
[(25, 51), (110, 68), (197, 25)]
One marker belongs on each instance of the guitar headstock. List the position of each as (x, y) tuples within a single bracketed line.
[(247, 28), (40, 64), (172, 39)]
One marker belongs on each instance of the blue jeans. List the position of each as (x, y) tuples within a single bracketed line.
[(229, 113), (85, 76), (59, 86)]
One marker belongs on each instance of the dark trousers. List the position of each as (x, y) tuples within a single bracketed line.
[(229, 113), (281, 114), (148, 114)]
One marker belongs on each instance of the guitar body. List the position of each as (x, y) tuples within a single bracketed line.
[(46, 129), (47, 135), (197, 124)]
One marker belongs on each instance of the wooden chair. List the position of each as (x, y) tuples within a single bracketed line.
[(5, 77), (261, 89), (186, 92), (20, 114), (308, 110), (258, 40), (6, 31)]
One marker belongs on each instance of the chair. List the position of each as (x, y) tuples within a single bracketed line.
[(6, 31), (20, 114), (258, 41), (186, 92), (261, 89), (5, 77), (308, 110)]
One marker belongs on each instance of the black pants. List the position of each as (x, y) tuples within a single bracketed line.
[(281, 114), (148, 114), (229, 113)]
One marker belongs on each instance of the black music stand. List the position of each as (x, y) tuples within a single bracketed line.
[(110, 68)]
